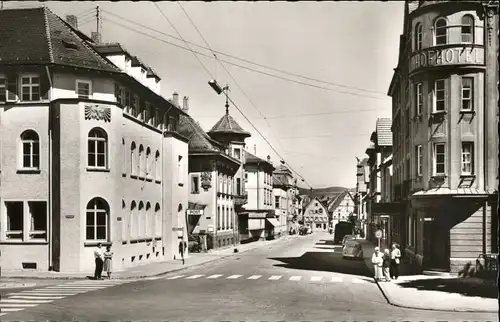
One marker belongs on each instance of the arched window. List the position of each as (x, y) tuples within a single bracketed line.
[(30, 150), (440, 32), (467, 29), (140, 164), (97, 148), (418, 36), (133, 220), (97, 220), (149, 221), (133, 158), (148, 163), (157, 166), (124, 154), (124, 221), (140, 220), (158, 221), (218, 218)]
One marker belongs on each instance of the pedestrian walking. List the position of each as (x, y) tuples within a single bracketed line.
[(108, 261), (377, 263), (99, 261), (181, 250), (386, 264), (395, 261)]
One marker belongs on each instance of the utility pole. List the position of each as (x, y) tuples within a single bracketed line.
[(98, 29)]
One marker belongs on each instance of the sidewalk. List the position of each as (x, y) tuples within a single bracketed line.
[(149, 270), (438, 293)]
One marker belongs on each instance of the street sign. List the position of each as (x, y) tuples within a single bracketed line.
[(378, 234)]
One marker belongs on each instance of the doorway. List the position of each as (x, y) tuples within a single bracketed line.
[(436, 240)]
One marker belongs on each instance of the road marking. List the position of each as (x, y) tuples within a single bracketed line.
[(12, 309), (24, 301), (316, 278), (254, 277), (336, 279), (36, 297), (43, 294), (25, 305), (75, 287), (233, 277), (295, 278), (214, 276), (193, 277), (275, 277), (175, 277), (358, 281)]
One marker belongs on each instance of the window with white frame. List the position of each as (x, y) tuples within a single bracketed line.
[(133, 220), (148, 222), (237, 153), (418, 36), (3, 89), (30, 88), (467, 94), (467, 158), (30, 150), (439, 158), (140, 164), (97, 220), (97, 148), (419, 101), (195, 183), (157, 165), (276, 202), (467, 29), (15, 220), (148, 162), (38, 220), (140, 220), (419, 159), (439, 95), (83, 88), (133, 158), (158, 221), (441, 31)]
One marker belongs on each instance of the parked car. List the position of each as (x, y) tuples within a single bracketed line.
[(352, 249), (347, 238)]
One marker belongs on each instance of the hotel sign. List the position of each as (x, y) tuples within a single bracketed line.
[(194, 211), (447, 57)]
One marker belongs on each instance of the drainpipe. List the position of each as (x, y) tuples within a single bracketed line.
[(49, 226)]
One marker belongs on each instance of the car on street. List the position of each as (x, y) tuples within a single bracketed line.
[(352, 249), (347, 238)]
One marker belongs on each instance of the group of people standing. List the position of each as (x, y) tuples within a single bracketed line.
[(386, 264), (103, 261)]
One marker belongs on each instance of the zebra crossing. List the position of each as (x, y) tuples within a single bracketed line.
[(19, 301), (296, 278)]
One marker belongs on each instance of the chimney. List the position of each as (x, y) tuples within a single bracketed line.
[(255, 149), (72, 20), (185, 104), (96, 37), (175, 99)]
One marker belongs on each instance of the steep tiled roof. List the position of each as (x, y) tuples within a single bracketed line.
[(199, 141), (250, 158), (228, 125), (38, 36), (337, 201), (384, 134)]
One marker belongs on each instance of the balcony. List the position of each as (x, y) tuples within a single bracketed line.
[(240, 200)]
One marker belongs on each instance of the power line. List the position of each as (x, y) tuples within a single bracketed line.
[(325, 136), (260, 65), (319, 113), (230, 99), (241, 89), (84, 12)]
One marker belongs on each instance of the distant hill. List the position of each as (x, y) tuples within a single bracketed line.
[(323, 191)]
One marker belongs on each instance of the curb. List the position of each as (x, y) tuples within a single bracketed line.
[(138, 276)]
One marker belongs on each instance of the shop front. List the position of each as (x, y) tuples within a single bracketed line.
[(390, 218)]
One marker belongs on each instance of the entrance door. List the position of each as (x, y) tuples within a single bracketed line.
[(436, 246)]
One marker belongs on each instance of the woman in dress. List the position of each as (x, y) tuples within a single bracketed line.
[(386, 264), (108, 256)]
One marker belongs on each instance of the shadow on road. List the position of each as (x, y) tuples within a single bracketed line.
[(464, 286), (326, 262)]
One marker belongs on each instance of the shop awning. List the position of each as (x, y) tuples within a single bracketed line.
[(273, 221)]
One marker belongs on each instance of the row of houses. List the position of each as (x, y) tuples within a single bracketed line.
[(430, 181), (91, 152)]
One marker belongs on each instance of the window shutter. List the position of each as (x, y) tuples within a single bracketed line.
[(12, 88)]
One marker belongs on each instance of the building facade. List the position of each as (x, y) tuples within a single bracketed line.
[(258, 220), (284, 191), (90, 151), (316, 215), (445, 121)]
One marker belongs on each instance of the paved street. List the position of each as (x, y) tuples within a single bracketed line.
[(295, 280)]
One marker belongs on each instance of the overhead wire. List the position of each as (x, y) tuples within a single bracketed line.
[(230, 99), (257, 64), (84, 12)]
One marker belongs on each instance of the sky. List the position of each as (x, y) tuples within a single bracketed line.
[(317, 128)]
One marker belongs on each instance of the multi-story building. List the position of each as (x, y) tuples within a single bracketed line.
[(90, 151), (258, 220), (284, 190), (211, 215), (445, 121), (379, 149), (362, 181), (316, 215)]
